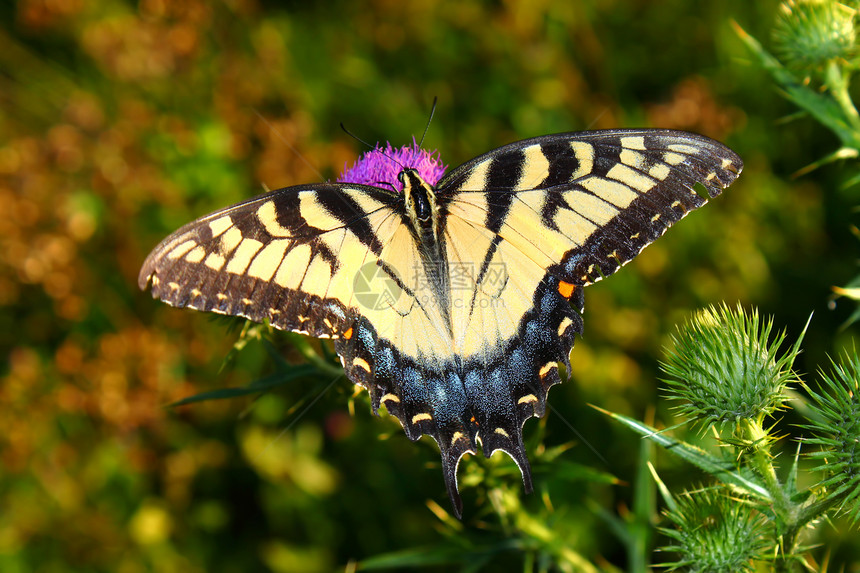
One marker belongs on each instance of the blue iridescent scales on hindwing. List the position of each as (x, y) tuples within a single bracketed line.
[(462, 399), (454, 304)]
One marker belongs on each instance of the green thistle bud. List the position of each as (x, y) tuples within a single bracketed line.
[(723, 368), (809, 34), (836, 427), (715, 533)]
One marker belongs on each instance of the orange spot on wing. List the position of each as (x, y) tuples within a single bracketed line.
[(566, 289), (348, 333)]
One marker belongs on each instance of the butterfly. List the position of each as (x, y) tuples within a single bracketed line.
[(452, 304)]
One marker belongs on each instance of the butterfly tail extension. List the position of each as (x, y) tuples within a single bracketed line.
[(446, 418), (496, 415), (436, 405), (507, 388), (453, 430)]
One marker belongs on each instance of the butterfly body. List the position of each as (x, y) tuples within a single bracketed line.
[(453, 304)]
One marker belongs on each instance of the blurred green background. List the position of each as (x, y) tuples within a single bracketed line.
[(120, 121)]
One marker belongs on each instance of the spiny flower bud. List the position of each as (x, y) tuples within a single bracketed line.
[(809, 34), (724, 369), (713, 532)]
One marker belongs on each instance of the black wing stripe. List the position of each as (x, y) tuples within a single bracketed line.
[(562, 166), (352, 215), (497, 176)]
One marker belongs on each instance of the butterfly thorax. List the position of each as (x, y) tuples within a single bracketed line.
[(424, 221)]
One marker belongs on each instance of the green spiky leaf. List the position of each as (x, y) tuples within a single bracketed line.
[(836, 430), (721, 469)]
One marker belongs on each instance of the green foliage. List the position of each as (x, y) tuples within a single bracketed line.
[(722, 466), (818, 39), (824, 29), (753, 514), (725, 370)]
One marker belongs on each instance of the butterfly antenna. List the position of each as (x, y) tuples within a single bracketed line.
[(596, 119), (288, 144), (429, 119), (360, 140)]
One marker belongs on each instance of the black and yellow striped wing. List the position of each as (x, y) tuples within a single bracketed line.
[(458, 332), (583, 204), (289, 256)]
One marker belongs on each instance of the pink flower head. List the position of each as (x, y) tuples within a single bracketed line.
[(380, 166)]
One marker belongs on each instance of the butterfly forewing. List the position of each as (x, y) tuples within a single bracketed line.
[(289, 256), (582, 204)]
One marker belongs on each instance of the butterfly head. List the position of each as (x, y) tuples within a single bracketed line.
[(420, 197)]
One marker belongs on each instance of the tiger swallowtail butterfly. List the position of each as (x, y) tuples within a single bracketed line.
[(452, 304)]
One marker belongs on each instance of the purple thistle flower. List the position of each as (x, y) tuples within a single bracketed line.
[(380, 166)]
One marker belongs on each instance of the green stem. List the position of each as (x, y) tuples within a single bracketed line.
[(812, 509), (762, 463), (800, 516), (784, 510), (837, 82)]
